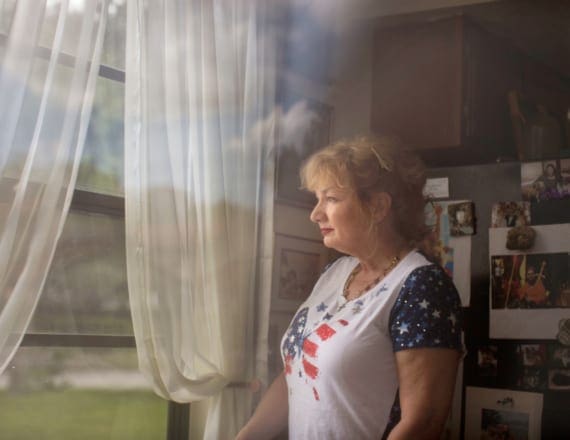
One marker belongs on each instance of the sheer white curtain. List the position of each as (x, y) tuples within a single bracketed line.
[(45, 104), (198, 135)]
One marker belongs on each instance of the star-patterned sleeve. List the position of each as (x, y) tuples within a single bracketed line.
[(427, 312)]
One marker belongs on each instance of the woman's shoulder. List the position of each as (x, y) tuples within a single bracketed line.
[(427, 311), (430, 280), (429, 274), (429, 270)]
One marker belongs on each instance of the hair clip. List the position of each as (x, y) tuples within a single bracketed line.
[(381, 161)]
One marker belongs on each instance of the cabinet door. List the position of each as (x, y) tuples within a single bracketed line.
[(417, 83), (542, 85), (545, 86), (492, 69)]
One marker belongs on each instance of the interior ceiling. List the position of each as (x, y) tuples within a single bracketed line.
[(541, 29)]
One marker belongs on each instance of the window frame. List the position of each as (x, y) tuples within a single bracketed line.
[(178, 414)]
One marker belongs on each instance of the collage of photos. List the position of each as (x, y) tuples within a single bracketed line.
[(543, 366), (529, 367), (530, 281), (545, 180)]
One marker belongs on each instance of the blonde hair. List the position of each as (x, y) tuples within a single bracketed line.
[(370, 165)]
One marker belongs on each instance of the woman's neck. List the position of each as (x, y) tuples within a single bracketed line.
[(383, 256)]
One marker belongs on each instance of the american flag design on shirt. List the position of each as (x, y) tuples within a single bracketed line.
[(297, 345), (293, 341)]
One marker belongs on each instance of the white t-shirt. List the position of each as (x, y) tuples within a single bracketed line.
[(339, 356)]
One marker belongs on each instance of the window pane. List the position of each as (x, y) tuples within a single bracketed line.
[(7, 8), (114, 44), (86, 289), (78, 393), (56, 94), (101, 168), (114, 38)]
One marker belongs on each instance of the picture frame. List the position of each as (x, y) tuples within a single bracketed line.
[(545, 180), (298, 263), (461, 218), (536, 321), (290, 157), (500, 413), (530, 281), (510, 214)]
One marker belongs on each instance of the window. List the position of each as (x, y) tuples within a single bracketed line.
[(76, 373), (78, 392)]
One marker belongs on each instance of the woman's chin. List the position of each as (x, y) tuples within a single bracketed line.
[(327, 242)]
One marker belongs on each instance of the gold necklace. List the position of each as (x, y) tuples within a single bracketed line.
[(393, 262)]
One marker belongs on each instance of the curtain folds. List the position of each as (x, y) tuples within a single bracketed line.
[(200, 91), (45, 106)]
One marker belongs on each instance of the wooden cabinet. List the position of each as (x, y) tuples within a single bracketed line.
[(417, 80), (544, 86), (491, 70), (442, 87)]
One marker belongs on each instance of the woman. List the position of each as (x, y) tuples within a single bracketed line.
[(373, 352)]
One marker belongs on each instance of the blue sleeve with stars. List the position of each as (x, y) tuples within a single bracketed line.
[(427, 312)]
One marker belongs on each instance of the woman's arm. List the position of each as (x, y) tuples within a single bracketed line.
[(427, 380), (270, 417)]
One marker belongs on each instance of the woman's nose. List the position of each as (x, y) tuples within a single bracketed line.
[(316, 213)]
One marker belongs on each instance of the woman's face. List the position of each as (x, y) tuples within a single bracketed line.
[(342, 222)]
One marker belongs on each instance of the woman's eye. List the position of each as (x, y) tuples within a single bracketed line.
[(331, 199)]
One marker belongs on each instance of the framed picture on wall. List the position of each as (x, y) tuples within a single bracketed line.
[(529, 292), (312, 134), (497, 413), (298, 264), (546, 180)]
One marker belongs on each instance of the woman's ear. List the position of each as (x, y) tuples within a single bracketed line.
[(381, 205)]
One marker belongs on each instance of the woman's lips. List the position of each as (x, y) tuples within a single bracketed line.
[(325, 231)]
